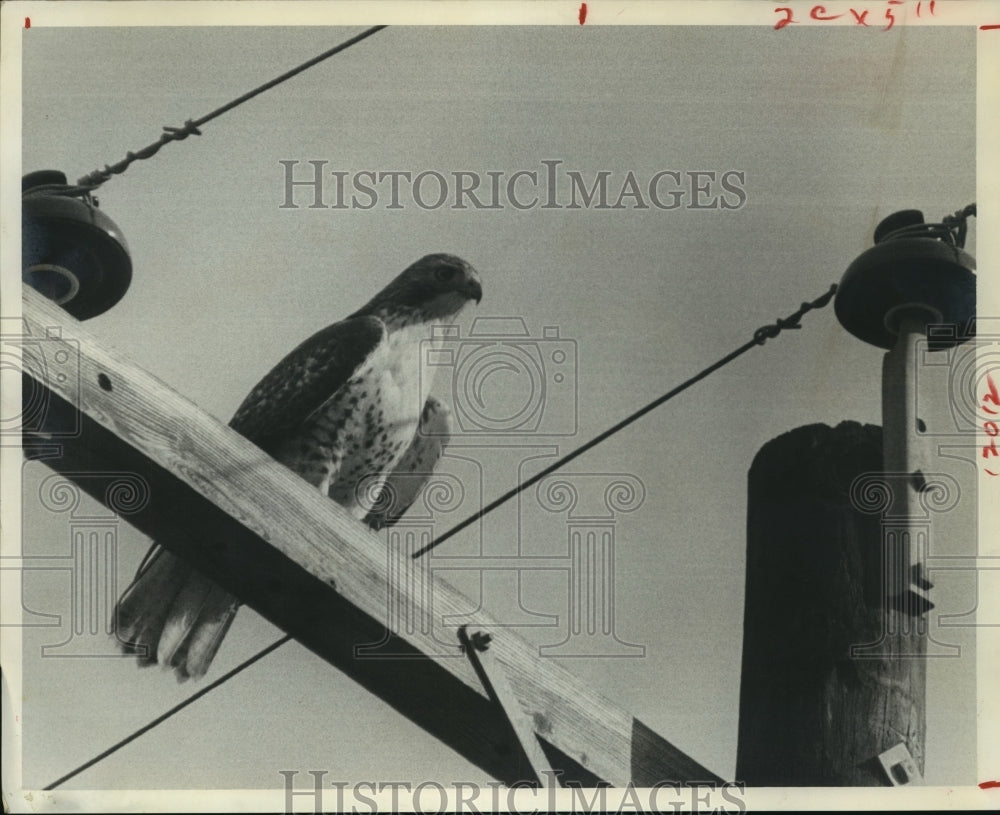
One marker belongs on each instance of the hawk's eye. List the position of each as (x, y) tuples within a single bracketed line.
[(444, 274)]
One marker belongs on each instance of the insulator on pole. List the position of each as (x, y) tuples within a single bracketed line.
[(71, 252), (913, 291)]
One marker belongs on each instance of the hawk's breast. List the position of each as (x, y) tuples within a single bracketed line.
[(366, 426)]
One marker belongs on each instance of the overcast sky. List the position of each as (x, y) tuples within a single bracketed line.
[(824, 132)]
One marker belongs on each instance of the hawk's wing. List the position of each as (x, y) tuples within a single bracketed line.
[(305, 379), (415, 467), (171, 613)]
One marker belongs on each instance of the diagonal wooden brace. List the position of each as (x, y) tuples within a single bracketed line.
[(492, 674)]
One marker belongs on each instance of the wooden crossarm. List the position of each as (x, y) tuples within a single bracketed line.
[(310, 568)]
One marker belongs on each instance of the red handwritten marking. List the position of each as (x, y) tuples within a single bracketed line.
[(27, 22), (989, 785), (819, 13), (788, 18), (860, 15), (991, 397), (583, 13), (988, 27)]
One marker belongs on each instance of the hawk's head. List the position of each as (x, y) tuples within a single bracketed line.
[(436, 287)]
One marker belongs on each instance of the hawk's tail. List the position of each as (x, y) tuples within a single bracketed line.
[(173, 615)]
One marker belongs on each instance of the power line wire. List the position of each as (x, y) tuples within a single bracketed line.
[(191, 127), (93, 180), (761, 335), (175, 709)]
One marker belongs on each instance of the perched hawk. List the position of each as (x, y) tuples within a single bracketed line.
[(343, 411)]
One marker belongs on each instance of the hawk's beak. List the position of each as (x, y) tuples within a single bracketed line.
[(474, 290)]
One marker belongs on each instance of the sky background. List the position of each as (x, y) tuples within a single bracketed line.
[(833, 128)]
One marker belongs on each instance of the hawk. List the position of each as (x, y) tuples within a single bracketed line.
[(349, 411)]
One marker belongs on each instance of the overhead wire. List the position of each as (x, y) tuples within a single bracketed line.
[(114, 748), (83, 187), (760, 336), (95, 179)]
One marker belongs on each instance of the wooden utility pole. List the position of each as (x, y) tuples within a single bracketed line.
[(813, 711), (838, 531)]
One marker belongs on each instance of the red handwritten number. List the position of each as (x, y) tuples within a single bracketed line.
[(889, 15), (583, 13), (991, 397), (821, 13), (27, 22), (788, 19)]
